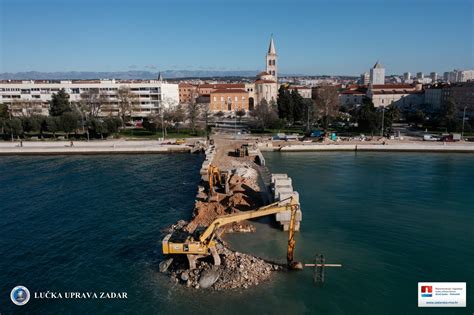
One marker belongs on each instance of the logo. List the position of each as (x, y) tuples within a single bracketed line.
[(426, 291), (20, 295)]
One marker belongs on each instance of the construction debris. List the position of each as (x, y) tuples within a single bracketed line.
[(243, 192)]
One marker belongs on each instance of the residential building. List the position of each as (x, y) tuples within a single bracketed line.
[(401, 95), (304, 91), (352, 97), (377, 74), (364, 78), (149, 95), (461, 94), (420, 76), (434, 77), (187, 92), (433, 96), (406, 76), (459, 76)]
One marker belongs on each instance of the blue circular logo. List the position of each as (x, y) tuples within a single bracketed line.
[(20, 295)]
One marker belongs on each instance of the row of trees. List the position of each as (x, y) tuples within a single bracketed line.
[(322, 109), (64, 117)]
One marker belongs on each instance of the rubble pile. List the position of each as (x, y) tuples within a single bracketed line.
[(238, 271)]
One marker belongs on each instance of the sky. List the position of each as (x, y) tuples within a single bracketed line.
[(338, 37)]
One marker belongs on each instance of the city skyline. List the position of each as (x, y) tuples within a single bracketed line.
[(311, 38)]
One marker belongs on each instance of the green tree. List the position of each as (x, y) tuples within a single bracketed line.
[(59, 103), (367, 117), (392, 114), (310, 114), (32, 123), (285, 104), (297, 106), (13, 126), (98, 126), (449, 116), (69, 122), (113, 124), (264, 114), (240, 113), (4, 111), (52, 124)]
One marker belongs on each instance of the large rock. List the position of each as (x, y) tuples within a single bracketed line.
[(209, 277), (165, 264)]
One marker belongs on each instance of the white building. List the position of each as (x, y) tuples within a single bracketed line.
[(351, 97), (434, 77), (304, 91), (149, 94), (420, 76), (400, 95), (365, 78), (456, 76), (406, 76), (377, 74)]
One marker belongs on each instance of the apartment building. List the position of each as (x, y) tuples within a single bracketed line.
[(148, 95)]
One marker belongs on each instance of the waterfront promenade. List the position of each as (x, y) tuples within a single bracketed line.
[(91, 147), (412, 146)]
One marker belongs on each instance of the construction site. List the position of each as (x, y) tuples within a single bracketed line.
[(235, 187)]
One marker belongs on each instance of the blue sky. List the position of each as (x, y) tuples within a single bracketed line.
[(311, 37)]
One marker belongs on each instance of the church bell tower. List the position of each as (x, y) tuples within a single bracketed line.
[(271, 59)]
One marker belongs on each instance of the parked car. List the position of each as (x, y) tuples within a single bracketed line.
[(447, 138), (430, 138)]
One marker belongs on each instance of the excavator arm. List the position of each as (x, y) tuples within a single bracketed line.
[(205, 245), (236, 217)]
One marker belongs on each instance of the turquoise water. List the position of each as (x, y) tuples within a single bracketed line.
[(94, 223)]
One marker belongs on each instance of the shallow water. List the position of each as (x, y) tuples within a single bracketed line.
[(94, 223)]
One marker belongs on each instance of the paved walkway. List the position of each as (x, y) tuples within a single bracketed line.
[(91, 147)]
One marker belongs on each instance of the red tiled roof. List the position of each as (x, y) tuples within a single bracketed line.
[(229, 91), (294, 87), (184, 84), (392, 86), (223, 86), (397, 92), (352, 92), (264, 81)]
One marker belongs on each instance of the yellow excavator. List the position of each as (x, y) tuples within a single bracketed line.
[(214, 177), (205, 245)]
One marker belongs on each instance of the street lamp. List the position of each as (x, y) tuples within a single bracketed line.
[(162, 124), (10, 108), (383, 116), (463, 119)]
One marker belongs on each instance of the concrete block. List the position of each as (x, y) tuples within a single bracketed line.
[(283, 196), (282, 182), (286, 216), (274, 176), (283, 190), (286, 226)]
